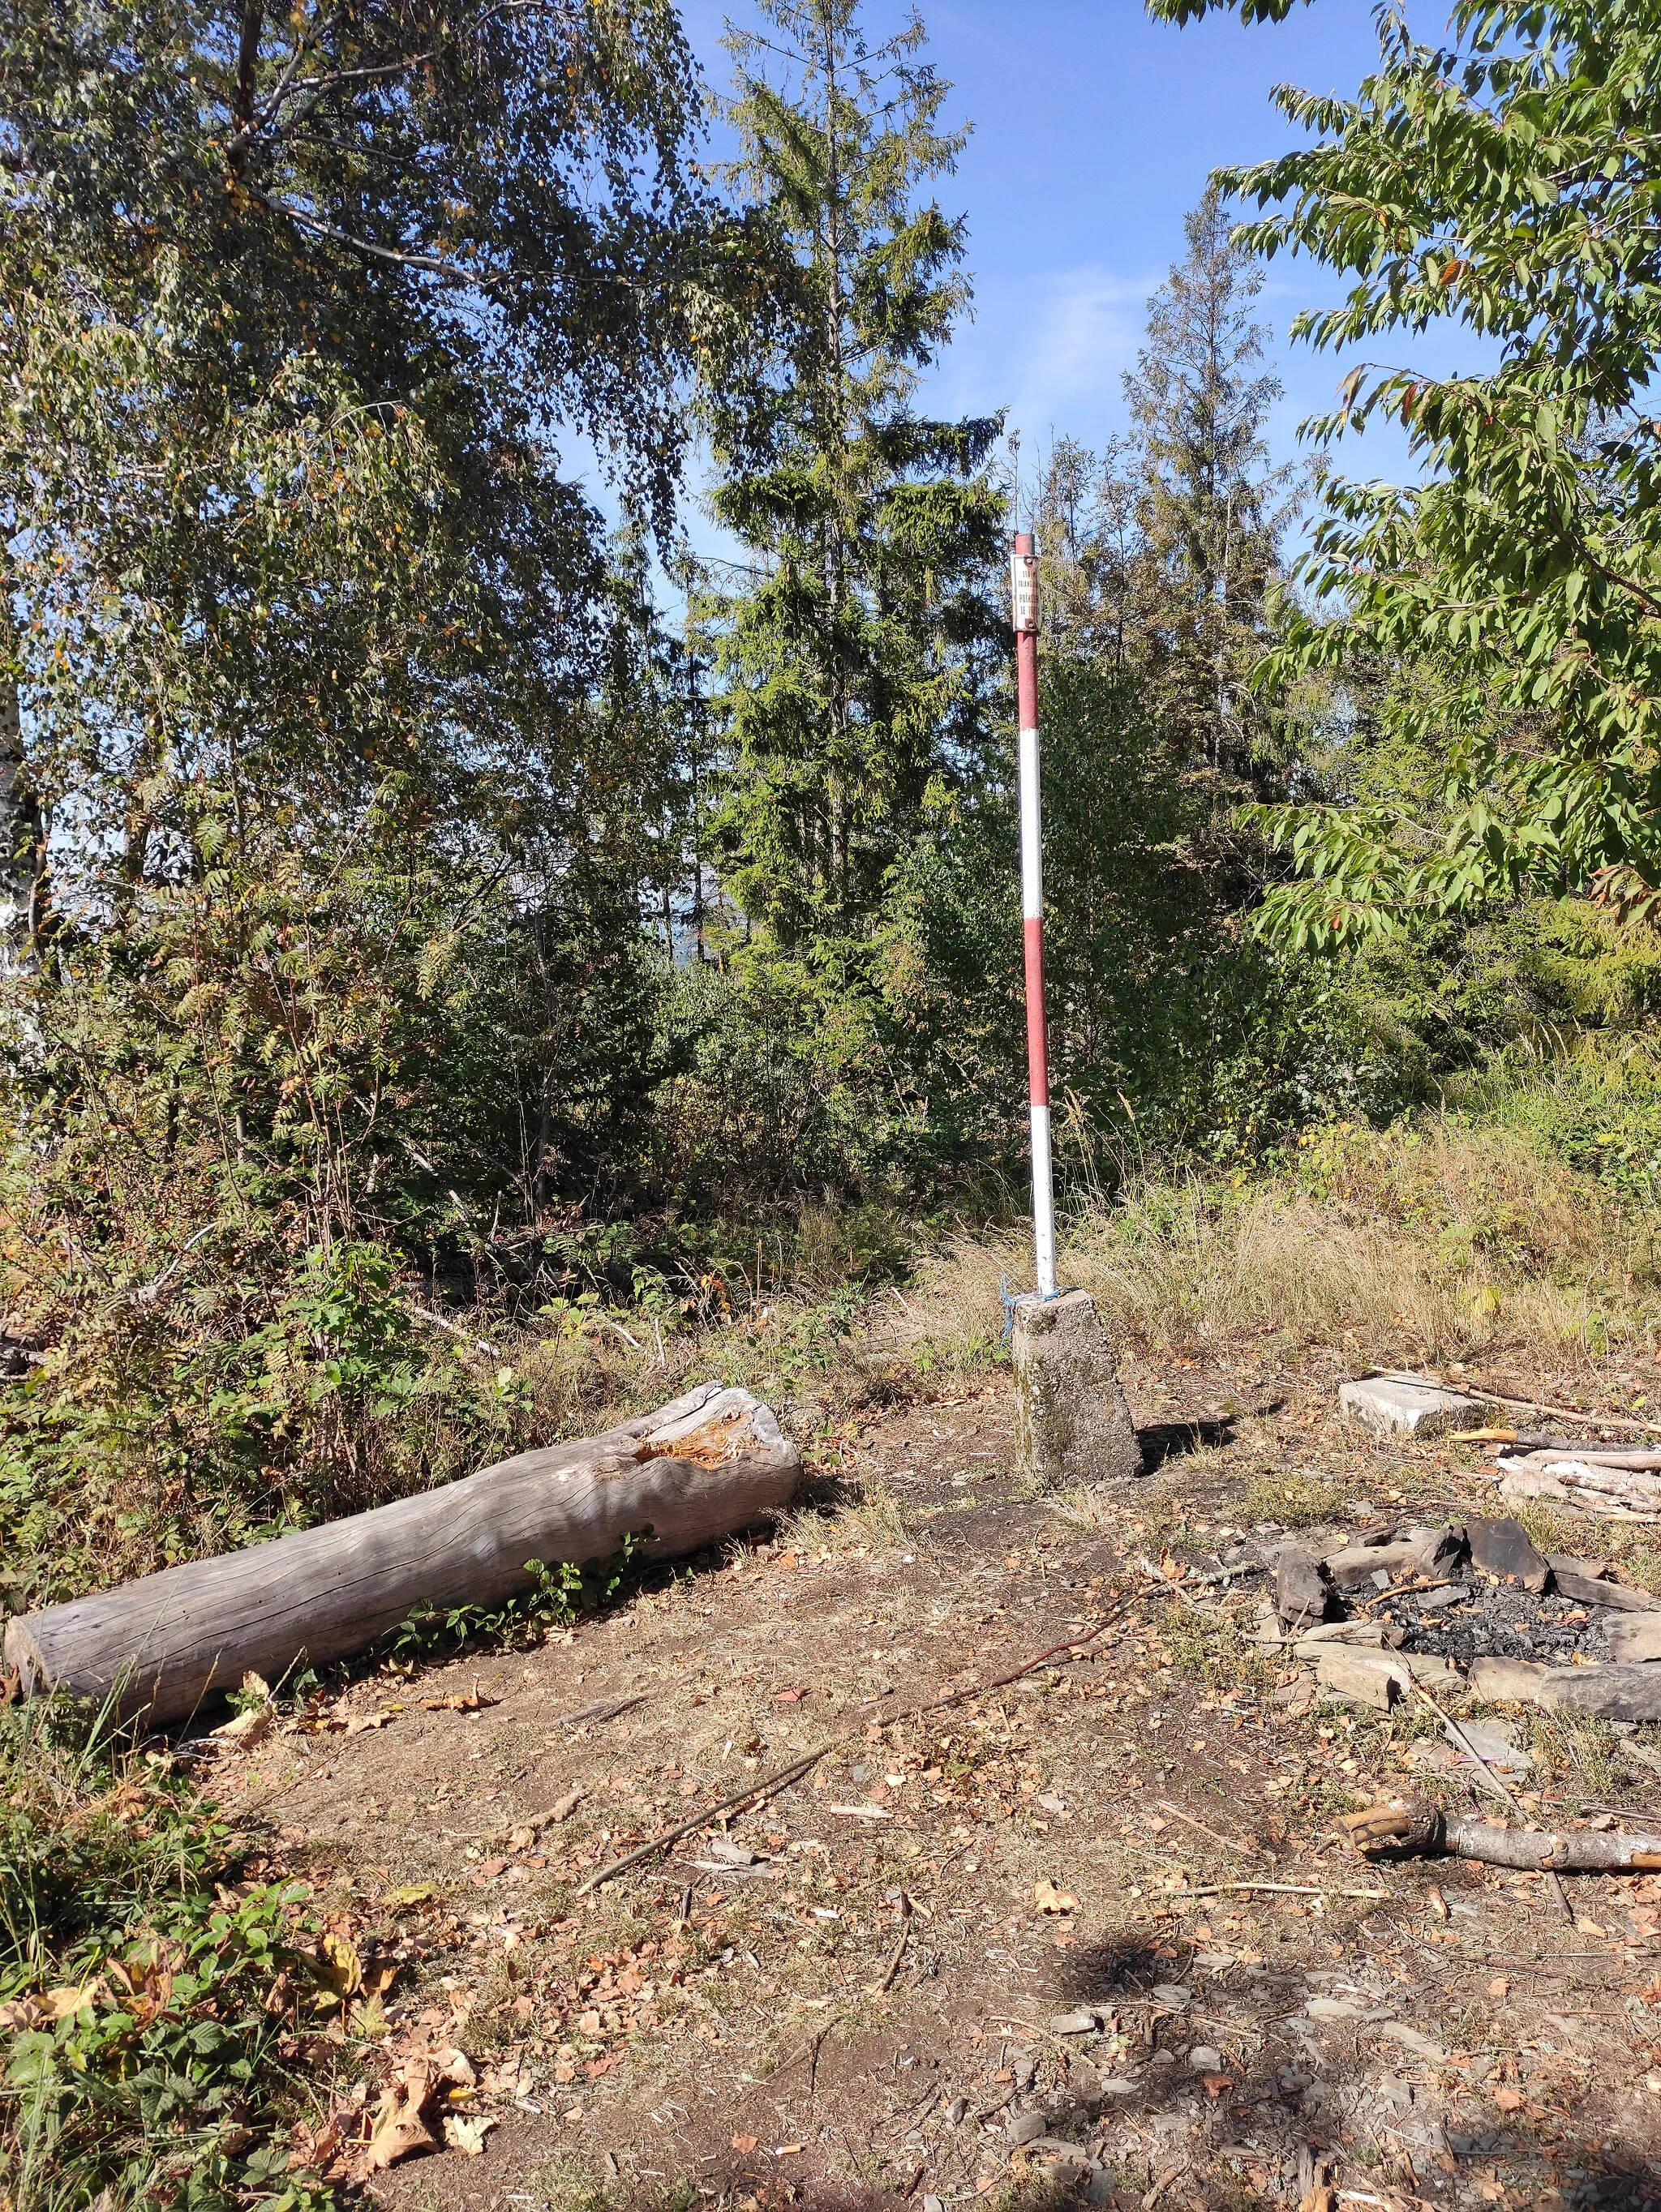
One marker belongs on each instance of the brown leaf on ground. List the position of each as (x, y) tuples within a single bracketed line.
[(400, 2131), (467, 2135)]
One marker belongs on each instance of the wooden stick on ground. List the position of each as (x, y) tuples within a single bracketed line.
[(1500, 1790), (887, 1981), (1564, 1412), (1421, 1826), (1278, 1888), (771, 1785)]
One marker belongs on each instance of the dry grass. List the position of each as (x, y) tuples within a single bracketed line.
[(1407, 1247), (872, 1520)]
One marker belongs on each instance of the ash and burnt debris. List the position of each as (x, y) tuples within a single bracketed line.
[(1464, 1607), (1477, 1620), (1459, 1589)]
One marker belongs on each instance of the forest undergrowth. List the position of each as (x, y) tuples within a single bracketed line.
[(157, 1985)]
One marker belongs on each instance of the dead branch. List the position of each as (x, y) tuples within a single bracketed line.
[(1423, 1829)]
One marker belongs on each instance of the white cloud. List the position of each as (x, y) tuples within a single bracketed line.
[(1052, 348)]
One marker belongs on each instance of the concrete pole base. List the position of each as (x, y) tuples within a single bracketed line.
[(1072, 1422)]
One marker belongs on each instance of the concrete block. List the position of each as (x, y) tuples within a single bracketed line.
[(1408, 1406), (1072, 1422)]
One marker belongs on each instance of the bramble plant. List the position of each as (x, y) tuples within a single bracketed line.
[(148, 1989)]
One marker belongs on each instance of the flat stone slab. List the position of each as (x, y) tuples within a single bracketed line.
[(1586, 1588), (1635, 1643), (1607, 1694), (1395, 1405), (1494, 1743), (1426, 1551), (1370, 1678)]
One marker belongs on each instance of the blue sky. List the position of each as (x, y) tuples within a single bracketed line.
[(1094, 131)]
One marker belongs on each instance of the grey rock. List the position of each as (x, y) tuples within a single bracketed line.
[(1300, 1590), (1455, 1594), (955, 2112), (1635, 1643), (1333, 2009), (1398, 1405), (1592, 1589), (1494, 1743), (1412, 2039), (1172, 1994), (1422, 1552), (1025, 2127), (727, 1853), (1370, 1678), (932, 2203), (1072, 1421), (1072, 2023), (1117, 2085), (1058, 2150), (1205, 2059), (1607, 1694), (1505, 1549)]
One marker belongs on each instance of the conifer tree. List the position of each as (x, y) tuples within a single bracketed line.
[(856, 652), (1209, 508)]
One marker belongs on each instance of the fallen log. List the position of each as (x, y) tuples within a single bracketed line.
[(698, 1470), (1428, 1830)]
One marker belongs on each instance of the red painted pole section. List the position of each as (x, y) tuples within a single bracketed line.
[(1023, 594)]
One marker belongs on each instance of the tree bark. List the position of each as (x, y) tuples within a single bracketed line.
[(1421, 1827), (698, 1469), (22, 860)]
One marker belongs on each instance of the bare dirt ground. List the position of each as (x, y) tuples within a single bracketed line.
[(1092, 1936)]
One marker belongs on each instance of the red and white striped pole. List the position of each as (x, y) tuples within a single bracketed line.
[(1023, 594)]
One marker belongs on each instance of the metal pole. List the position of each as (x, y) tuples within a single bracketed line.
[(1024, 596)]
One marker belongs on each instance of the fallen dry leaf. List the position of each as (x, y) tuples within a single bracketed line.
[(1499, 1987), (246, 1728), (745, 2144), (1047, 1899), (338, 1968), (400, 2132), (1508, 2100), (48, 2009), (461, 1701), (467, 2135), (360, 1722)]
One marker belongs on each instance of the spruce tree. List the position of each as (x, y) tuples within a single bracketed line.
[(1210, 509), (856, 654)]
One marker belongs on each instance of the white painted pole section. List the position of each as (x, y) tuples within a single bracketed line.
[(1023, 581), (1044, 1200)]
